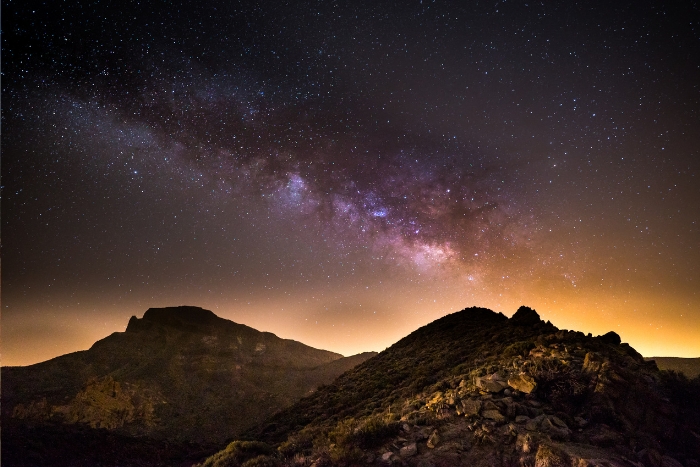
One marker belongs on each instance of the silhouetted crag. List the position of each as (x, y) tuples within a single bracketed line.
[(477, 389), (180, 374)]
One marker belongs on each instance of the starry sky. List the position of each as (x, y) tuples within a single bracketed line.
[(342, 173)]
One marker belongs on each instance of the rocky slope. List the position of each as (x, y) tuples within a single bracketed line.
[(477, 389), (181, 374)]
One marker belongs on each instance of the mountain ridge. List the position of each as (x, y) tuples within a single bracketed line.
[(690, 367), (178, 373), (476, 388)]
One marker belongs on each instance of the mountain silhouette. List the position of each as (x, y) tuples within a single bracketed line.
[(473, 388), (178, 374)]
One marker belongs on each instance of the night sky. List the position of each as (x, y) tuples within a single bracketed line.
[(341, 173)]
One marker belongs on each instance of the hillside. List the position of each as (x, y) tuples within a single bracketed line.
[(180, 374), (478, 389), (690, 367)]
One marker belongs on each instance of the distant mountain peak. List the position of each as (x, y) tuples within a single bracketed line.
[(184, 313), (178, 373), (178, 316)]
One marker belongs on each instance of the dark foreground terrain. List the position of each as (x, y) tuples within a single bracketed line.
[(477, 389), (471, 389)]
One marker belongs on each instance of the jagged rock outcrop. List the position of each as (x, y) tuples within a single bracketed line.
[(525, 316)]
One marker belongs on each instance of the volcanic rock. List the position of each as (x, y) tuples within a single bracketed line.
[(523, 383)]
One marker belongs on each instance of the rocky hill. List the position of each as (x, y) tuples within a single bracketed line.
[(179, 374), (478, 389)]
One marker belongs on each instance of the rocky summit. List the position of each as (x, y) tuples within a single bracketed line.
[(478, 389), (176, 375)]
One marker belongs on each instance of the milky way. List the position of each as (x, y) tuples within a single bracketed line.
[(342, 174)]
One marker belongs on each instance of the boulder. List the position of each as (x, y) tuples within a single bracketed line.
[(523, 383), (611, 338), (494, 415), (492, 383), (534, 424), (409, 450), (553, 426), (469, 407)]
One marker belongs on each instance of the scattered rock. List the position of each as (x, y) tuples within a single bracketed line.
[(386, 457), (581, 422), (491, 383), (494, 415), (549, 456), (525, 443), (469, 407), (523, 383), (534, 423), (606, 437), (433, 440), (409, 450), (558, 422)]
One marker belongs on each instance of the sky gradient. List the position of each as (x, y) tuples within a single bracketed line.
[(341, 174)]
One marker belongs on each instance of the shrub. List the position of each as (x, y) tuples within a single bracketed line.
[(300, 442), (367, 433), (518, 349), (565, 388), (239, 453)]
